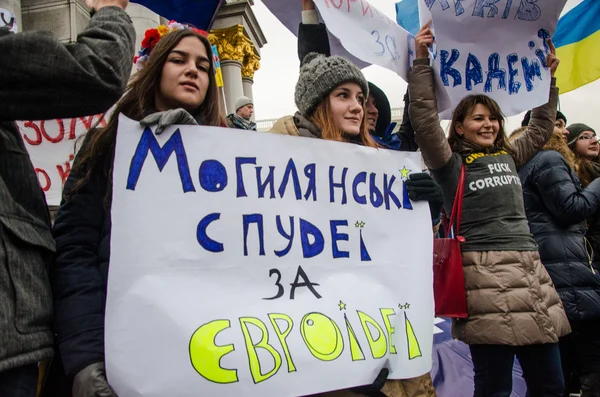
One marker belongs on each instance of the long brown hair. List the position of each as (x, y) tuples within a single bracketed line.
[(556, 142), (323, 118), (465, 108), (138, 102)]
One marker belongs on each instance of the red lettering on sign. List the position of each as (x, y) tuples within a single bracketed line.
[(350, 1), (103, 122), (367, 9), (38, 134), (61, 130), (337, 6), (45, 185), (64, 172)]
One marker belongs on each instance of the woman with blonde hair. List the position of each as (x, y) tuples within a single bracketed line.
[(176, 85)]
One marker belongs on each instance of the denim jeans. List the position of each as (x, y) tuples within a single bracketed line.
[(541, 366), (19, 382)]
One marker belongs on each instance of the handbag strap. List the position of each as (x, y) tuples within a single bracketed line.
[(458, 202)]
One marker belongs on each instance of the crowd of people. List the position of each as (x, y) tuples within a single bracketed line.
[(531, 230)]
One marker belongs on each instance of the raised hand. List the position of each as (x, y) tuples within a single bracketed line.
[(424, 40), (551, 60), (98, 4), (308, 5)]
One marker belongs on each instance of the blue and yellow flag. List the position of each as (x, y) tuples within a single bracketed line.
[(577, 42), (217, 62)]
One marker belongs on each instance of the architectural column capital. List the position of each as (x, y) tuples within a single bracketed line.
[(233, 44)]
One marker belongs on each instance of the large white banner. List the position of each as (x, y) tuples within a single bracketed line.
[(493, 47), (52, 146), (372, 36), (256, 264)]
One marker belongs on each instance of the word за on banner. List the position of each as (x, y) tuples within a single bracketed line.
[(323, 336)]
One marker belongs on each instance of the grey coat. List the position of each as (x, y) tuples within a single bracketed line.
[(41, 78)]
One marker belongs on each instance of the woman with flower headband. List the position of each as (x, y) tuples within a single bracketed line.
[(175, 84)]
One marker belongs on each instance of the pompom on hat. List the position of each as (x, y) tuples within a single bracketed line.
[(153, 36), (319, 75)]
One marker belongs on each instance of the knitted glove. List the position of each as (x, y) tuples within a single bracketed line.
[(374, 389), (167, 118), (91, 382), (422, 187)]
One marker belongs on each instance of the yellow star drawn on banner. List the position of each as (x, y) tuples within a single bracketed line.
[(405, 171), (360, 224), (404, 307), (342, 306)]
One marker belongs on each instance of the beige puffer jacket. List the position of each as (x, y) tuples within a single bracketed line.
[(510, 297)]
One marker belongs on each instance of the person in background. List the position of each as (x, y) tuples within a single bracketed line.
[(513, 308), (331, 96), (557, 208), (241, 119), (176, 85), (313, 37), (43, 78), (583, 142), (560, 124)]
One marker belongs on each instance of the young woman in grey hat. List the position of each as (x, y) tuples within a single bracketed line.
[(331, 96)]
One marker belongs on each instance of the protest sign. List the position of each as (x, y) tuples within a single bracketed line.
[(8, 20), (51, 145), (373, 37), (276, 266), (494, 47)]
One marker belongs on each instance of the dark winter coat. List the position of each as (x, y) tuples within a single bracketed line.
[(43, 78), (557, 208)]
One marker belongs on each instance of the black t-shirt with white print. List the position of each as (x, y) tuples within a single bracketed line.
[(493, 217)]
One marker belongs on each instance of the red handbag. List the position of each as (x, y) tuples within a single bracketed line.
[(449, 291)]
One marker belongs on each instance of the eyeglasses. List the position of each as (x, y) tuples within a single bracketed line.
[(586, 137)]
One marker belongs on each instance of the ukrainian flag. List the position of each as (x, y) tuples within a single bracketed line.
[(577, 42)]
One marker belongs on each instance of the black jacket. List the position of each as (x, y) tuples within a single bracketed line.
[(43, 78), (82, 234), (557, 208), (313, 38)]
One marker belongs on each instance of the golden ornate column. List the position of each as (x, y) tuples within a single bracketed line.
[(250, 66), (239, 58)]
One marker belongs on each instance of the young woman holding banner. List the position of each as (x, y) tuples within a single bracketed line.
[(175, 86), (331, 95), (513, 308)]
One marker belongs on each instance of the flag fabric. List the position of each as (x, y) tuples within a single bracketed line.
[(217, 62), (577, 41), (199, 13), (407, 15)]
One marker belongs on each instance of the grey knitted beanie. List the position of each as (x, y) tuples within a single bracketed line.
[(319, 75)]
